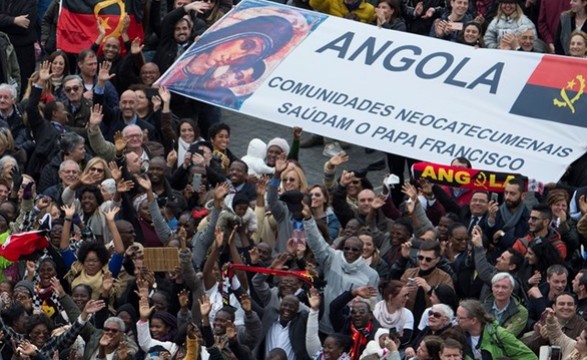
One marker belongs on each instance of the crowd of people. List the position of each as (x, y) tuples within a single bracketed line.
[(105, 165)]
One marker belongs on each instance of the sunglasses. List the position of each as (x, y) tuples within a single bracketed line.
[(534, 219), (290, 179), (112, 330), (315, 194), (70, 89), (435, 314), (99, 170), (425, 258), (351, 248)]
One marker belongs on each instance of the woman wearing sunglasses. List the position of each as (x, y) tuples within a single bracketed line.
[(439, 320)]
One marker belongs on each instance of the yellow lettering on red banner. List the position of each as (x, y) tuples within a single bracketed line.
[(462, 177), (428, 172)]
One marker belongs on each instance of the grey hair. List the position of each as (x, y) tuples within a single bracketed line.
[(118, 321), (8, 159), (444, 309), (522, 29), (11, 88), (73, 77), (503, 275), (69, 141), (66, 162)]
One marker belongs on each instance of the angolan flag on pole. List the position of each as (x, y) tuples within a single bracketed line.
[(77, 25)]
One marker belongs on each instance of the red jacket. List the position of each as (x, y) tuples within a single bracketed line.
[(553, 237)]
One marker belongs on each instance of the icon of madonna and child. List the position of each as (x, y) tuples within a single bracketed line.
[(231, 60)]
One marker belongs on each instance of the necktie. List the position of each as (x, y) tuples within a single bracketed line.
[(474, 221)]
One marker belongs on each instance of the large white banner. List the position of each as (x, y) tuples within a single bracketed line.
[(420, 97)]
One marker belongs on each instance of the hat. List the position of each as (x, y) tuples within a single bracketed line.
[(27, 285), (293, 200), (280, 143)]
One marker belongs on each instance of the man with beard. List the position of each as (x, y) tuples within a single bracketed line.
[(285, 328), (508, 221), (539, 226)]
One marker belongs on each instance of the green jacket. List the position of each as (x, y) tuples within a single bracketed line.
[(514, 318), (497, 342), (9, 63)]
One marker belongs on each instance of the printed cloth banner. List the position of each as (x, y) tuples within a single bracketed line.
[(417, 96), (464, 178), (77, 25)]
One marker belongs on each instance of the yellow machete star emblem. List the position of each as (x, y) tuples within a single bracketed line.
[(570, 102), (104, 21)]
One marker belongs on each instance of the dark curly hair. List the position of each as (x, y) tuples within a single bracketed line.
[(91, 189), (35, 320), (100, 250)]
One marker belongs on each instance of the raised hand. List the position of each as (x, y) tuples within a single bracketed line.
[(56, 287), (346, 178), (279, 262), (125, 24), (280, 165), (184, 298), (45, 72), (101, 30), (230, 330), (144, 182), (477, 236), (156, 100), (92, 307), (220, 191), (122, 350), (339, 159), (106, 339), (31, 268), (69, 210), (110, 214), (43, 202), (261, 186), (164, 94), (365, 292), (378, 202), (136, 47), (144, 309), (205, 306), (410, 190), (119, 142), (172, 158), (104, 72), (107, 282), (218, 237), (125, 186), (254, 255), (246, 303), (297, 133), (314, 299), (115, 171), (96, 116)]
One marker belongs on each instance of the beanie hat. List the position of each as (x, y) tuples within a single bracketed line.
[(27, 285), (280, 143)]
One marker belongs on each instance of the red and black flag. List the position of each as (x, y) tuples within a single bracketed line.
[(77, 25), (556, 91)]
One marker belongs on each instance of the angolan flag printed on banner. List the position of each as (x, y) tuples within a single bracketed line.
[(555, 91), (77, 25)]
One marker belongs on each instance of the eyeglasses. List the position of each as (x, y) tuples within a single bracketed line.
[(290, 179), (351, 248), (70, 89), (98, 170), (130, 136), (425, 258), (434, 314), (112, 330)]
